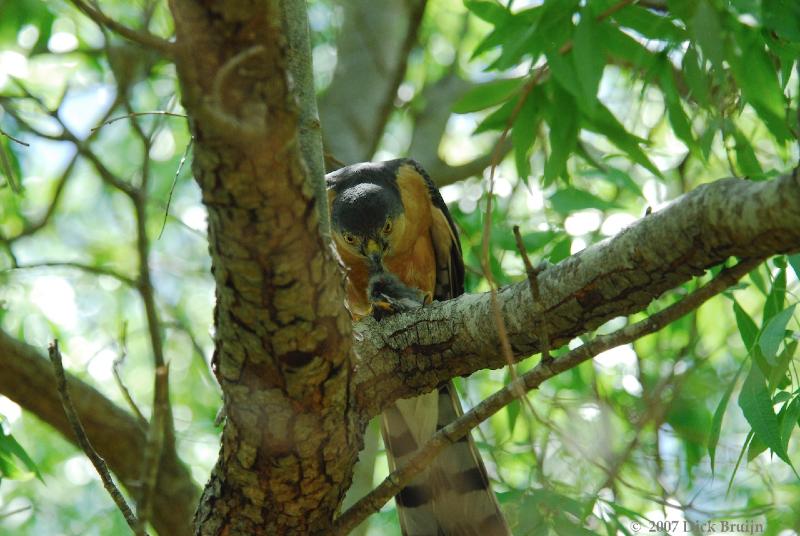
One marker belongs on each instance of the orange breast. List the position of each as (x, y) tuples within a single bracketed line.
[(413, 259), (417, 268)]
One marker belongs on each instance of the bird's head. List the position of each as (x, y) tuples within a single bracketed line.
[(366, 219)]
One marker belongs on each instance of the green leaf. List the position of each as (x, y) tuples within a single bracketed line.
[(746, 156), (588, 56), (756, 76), (649, 24), (758, 279), (533, 241), (774, 332), (512, 411), (569, 199), (496, 38), (716, 421), (563, 134), (756, 405), (783, 16), (696, 78), (9, 446), (794, 261), (487, 95), (491, 12), (498, 119), (564, 73), (9, 165), (677, 116), (518, 37), (602, 121), (791, 415), (707, 31), (524, 133), (618, 44), (707, 138), (747, 327), (8, 469), (18, 14), (746, 444), (560, 250), (776, 297), (756, 447), (617, 177), (777, 376)]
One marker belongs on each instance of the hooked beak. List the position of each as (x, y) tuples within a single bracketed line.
[(374, 254)]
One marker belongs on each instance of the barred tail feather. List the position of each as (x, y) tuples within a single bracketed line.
[(452, 496)]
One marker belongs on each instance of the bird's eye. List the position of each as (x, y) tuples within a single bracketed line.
[(350, 239), (387, 227)]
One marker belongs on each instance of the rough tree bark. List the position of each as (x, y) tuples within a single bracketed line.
[(296, 397), (282, 334), (412, 353)]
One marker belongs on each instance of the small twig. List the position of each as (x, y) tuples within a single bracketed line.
[(137, 114), (155, 445), (8, 171), (17, 511), (533, 283), (174, 182), (117, 367), (497, 316), (81, 145), (31, 228), (154, 327), (140, 37), (12, 138), (528, 381), (94, 270), (83, 440)]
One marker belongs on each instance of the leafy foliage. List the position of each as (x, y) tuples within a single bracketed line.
[(11, 453), (611, 109)]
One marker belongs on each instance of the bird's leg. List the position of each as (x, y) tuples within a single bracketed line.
[(388, 295)]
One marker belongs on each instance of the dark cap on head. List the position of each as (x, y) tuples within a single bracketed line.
[(365, 195)]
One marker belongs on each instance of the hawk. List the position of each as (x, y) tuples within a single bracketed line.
[(401, 249)]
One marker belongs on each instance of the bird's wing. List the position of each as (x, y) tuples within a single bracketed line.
[(444, 235)]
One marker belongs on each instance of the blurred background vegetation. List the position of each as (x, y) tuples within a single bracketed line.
[(614, 108)]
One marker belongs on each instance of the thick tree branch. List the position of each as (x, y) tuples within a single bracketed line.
[(28, 380), (295, 23), (373, 48), (282, 335), (545, 370), (411, 353)]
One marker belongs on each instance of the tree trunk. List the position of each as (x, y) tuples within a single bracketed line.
[(282, 333)]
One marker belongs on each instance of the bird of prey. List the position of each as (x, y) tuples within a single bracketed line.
[(401, 249)]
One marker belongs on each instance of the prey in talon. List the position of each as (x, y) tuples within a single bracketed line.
[(389, 295)]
